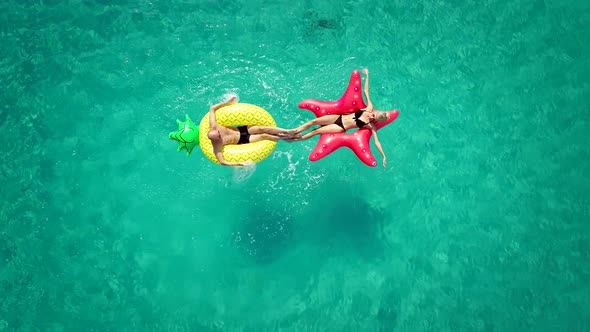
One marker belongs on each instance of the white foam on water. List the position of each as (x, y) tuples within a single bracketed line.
[(286, 173), (243, 173), (229, 94)]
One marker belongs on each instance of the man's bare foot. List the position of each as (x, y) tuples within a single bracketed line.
[(293, 132)]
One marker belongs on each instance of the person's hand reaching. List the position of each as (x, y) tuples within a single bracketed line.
[(247, 163)]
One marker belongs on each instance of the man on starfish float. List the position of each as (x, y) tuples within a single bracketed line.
[(348, 112)]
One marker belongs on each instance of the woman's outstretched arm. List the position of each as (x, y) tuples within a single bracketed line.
[(378, 144), (369, 103)]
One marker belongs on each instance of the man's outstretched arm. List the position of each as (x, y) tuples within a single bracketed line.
[(214, 108)]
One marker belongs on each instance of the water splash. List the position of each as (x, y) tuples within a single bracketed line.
[(231, 93), (243, 173)]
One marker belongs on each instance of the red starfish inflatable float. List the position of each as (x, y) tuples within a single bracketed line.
[(358, 141)]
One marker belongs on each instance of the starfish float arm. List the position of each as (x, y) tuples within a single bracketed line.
[(350, 101)]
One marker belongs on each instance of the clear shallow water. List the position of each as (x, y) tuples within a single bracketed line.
[(480, 222)]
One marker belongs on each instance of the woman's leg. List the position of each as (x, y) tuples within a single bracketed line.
[(331, 128), (260, 137), (321, 121)]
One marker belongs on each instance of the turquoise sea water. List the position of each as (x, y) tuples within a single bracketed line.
[(480, 222)]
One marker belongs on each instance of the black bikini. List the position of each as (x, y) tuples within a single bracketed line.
[(339, 122), (357, 118), (244, 135)]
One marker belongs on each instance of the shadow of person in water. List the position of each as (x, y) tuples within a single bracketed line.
[(316, 24), (263, 233)]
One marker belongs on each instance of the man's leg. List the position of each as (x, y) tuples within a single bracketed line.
[(255, 130), (260, 137)]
